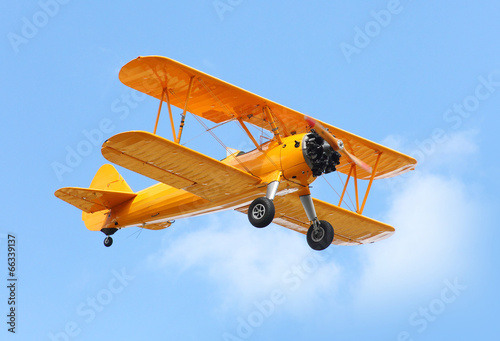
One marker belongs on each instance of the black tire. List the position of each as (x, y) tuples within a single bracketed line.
[(261, 212), (321, 238), (108, 241)]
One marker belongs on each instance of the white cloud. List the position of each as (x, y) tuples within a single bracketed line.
[(247, 264), (432, 219), (460, 143), (450, 150), (435, 219), (393, 141)]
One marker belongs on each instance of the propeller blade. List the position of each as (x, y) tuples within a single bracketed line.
[(336, 143), (359, 162)]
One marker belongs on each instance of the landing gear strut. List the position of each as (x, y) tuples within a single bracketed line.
[(320, 234)]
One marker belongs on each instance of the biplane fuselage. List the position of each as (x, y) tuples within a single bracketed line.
[(269, 183)]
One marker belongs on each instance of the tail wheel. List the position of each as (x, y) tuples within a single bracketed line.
[(261, 212), (320, 235), (108, 241)]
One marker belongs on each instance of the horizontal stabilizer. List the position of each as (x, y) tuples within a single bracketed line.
[(92, 200)]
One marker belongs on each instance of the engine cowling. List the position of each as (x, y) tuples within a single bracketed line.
[(301, 158), (304, 158), (319, 155)]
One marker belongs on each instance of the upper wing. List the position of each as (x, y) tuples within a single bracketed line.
[(219, 101), (350, 228), (176, 165)]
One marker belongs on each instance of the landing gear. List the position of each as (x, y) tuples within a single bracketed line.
[(261, 212), (108, 231), (320, 235), (108, 241)]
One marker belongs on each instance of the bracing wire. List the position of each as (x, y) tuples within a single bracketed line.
[(347, 191), (324, 177)]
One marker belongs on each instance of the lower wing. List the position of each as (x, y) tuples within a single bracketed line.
[(350, 228)]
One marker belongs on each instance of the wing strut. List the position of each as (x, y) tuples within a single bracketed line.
[(249, 133), (185, 109), (356, 187), (274, 127), (370, 183), (171, 117), (372, 177), (159, 110), (345, 185), (164, 93)]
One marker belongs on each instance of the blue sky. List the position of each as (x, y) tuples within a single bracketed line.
[(421, 77)]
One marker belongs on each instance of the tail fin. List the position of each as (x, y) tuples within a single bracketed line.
[(107, 190), (108, 178)]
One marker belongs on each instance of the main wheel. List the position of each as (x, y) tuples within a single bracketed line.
[(261, 212), (108, 241), (321, 236)]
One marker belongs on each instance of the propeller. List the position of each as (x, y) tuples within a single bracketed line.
[(335, 143)]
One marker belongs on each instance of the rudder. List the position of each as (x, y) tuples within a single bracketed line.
[(108, 178)]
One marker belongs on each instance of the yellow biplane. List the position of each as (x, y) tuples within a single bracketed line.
[(270, 183)]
